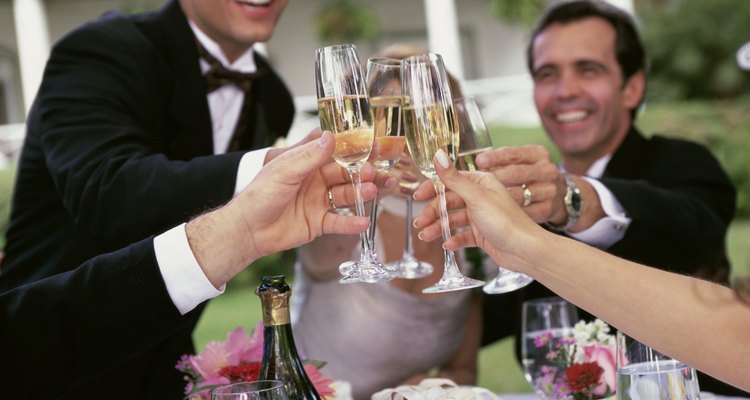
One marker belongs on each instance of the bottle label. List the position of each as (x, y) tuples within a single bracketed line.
[(276, 316)]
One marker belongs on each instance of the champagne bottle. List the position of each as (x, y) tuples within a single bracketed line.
[(280, 358)]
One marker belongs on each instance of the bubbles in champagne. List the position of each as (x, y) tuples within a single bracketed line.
[(387, 151), (427, 130), (349, 119), (346, 113), (353, 147)]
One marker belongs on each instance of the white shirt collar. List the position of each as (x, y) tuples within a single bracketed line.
[(597, 168), (244, 63)]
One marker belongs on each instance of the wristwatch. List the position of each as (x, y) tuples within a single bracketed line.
[(573, 205)]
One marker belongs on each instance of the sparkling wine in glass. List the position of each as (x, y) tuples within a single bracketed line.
[(384, 91), (252, 390), (644, 373), (430, 125), (345, 111), (543, 321), (475, 139)]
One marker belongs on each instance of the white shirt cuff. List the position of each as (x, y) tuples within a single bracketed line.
[(186, 283), (610, 229), (250, 165)]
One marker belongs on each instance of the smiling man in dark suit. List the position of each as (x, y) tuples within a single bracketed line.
[(659, 201), (126, 138)]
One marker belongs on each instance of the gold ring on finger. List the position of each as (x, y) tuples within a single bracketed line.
[(331, 203)]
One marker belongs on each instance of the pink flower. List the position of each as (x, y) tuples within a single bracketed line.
[(241, 347), (543, 340), (604, 356), (322, 383), (236, 359), (211, 360)]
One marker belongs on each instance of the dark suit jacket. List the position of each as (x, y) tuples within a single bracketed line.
[(680, 201), (118, 148), (61, 334)]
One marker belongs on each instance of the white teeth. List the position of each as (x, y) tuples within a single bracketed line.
[(571, 116), (254, 2)]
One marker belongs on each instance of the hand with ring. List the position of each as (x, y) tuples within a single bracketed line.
[(531, 178)]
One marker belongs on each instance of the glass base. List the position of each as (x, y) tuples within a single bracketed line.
[(364, 272), (409, 269), (453, 284), (507, 281)]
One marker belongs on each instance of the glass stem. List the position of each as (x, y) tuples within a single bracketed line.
[(451, 268), (360, 208), (373, 222), (409, 248)]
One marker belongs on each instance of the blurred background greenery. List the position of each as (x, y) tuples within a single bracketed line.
[(695, 91)]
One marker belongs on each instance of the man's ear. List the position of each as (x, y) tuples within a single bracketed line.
[(634, 89)]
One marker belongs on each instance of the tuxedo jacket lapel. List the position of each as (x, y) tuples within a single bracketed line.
[(191, 134), (626, 162)]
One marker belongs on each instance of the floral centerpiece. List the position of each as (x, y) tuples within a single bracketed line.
[(581, 366), (236, 360)]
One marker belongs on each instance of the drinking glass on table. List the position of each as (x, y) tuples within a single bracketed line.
[(547, 323), (253, 390), (644, 373), (344, 110), (474, 138), (430, 125)]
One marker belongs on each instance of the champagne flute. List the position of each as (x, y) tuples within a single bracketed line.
[(384, 91), (430, 125), (644, 373), (253, 390), (344, 110), (409, 267), (475, 139), (544, 321)]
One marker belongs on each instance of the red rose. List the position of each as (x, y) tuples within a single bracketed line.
[(582, 377), (245, 371), (604, 356)]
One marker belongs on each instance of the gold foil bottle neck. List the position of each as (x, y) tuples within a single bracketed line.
[(274, 296)]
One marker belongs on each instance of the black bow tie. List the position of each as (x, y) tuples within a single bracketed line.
[(218, 75)]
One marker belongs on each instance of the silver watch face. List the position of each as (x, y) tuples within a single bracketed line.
[(575, 201)]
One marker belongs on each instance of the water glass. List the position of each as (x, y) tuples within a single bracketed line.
[(253, 390), (644, 373), (547, 320)]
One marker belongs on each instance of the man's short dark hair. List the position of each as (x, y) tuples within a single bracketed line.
[(629, 50)]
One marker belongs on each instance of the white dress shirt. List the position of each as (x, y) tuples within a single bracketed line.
[(185, 281), (610, 229)]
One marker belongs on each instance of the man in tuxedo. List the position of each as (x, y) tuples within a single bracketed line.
[(138, 126), (63, 335), (657, 201)]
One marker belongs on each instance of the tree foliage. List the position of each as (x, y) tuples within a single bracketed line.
[(691, 45), (346, 21), (524, 12)]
